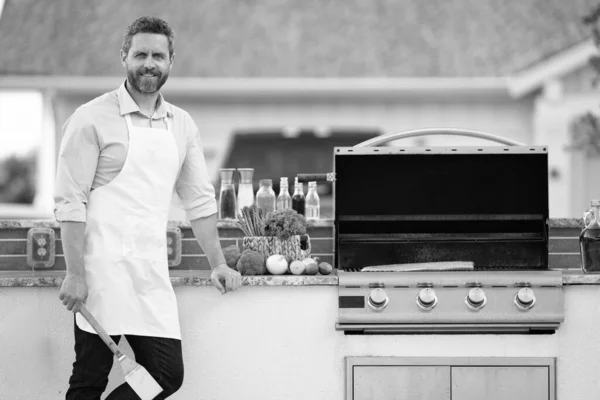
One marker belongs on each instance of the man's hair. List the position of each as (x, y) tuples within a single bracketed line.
[(149, 25)]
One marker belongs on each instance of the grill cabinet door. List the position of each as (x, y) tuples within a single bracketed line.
[(394, 382), (500, 383)]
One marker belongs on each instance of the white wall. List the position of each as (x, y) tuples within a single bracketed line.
[(276, 343), (498, 115), (579, 179)]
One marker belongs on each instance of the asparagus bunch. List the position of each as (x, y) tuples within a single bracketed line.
[(251, 220)]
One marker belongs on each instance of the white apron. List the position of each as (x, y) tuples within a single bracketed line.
[(127, 273)]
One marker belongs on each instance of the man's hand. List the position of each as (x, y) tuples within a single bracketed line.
[(73, 292), (222, 274)]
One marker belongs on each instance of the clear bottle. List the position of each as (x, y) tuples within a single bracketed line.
[(589, 240), (245, 197), (298, 200), (227, 200), (313, 204), (265, 197), (284, 200)]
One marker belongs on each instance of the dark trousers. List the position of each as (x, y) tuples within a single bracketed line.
[(94, 360)]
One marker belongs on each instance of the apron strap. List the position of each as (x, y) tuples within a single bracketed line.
[(128, 120)]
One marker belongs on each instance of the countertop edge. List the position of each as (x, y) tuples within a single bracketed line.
[(178, 278), (222, 223), (231, 224)]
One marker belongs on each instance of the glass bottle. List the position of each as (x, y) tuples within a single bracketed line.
[(227, 200), (589, 239), (265, 197), (298, 200), (284, 200), (313, 204), (245, 197)]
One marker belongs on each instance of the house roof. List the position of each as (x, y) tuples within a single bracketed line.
[(287, 38)]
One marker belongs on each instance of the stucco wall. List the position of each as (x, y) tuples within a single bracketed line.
[(276, 343)]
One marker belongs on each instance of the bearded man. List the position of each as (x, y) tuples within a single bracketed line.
[(121, 156)]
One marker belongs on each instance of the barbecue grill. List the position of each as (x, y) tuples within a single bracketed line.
[(474, 218)]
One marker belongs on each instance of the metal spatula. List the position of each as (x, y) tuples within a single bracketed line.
[(136, 376), (428, 266)]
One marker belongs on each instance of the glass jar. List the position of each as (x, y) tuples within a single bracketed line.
[(284, 200), (589, 239), (265, 197), (245, 197), (227, 200), (312, 204)]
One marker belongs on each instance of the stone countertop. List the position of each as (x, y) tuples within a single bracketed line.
[(577, 277), (228, 224), (202, 278), (178, 278)]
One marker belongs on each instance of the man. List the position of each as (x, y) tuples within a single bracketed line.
[(121, 156)]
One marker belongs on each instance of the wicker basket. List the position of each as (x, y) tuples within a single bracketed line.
[(268, 245)]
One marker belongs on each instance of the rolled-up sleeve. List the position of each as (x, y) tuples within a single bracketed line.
[(193, 185), (76, 168)]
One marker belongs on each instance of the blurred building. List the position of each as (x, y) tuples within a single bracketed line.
[(305, 76)]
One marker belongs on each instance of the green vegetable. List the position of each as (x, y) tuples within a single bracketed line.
[(251, 220), (251, 262), (232, 255), (285, 223)]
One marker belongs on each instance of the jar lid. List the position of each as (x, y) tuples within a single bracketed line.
[(246, 174), (595, 203), (227, 174), (265, 182)]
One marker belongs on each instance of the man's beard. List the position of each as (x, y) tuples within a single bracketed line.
[(146, 85)]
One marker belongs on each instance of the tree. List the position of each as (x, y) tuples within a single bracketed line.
[(17, 179), (585, 128)]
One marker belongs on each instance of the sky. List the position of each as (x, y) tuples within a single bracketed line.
[(20, 121)]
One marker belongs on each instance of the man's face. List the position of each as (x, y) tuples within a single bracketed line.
[(147, 62)]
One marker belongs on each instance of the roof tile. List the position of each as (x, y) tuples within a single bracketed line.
[(287, 38)]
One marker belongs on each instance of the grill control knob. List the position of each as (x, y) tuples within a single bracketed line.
[(426, 299), (525, 299), (475, 299), (377, 299)]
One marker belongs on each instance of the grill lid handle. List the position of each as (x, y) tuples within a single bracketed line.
[(316, 177), (388, 137)]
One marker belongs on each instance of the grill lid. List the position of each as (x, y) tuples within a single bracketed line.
[(488, 205)]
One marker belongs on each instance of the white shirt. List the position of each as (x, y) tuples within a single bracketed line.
[(94, 148)]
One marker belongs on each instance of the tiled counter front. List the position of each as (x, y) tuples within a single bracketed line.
[(193, 267), (13, 244)]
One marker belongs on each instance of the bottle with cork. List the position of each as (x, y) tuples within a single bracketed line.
[(589, 239), (298, 199), (284, 200), (313, 203)]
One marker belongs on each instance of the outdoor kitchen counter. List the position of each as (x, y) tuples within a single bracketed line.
[(286, 336)]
